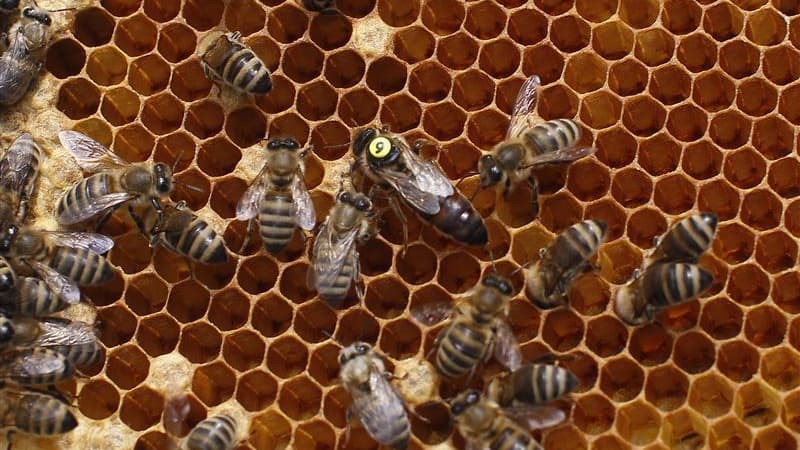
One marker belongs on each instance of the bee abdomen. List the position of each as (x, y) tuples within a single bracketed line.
[(80, 355), (34, 299), (199, 242), (39, 366), (245, 71), (81, 195), (513, 438), (82, 266), (692, 237), (459, 220), (578, 243), (397, 434), (337, 290), (670, 284), (542, 383), (276, 221), (43, 415), (554, 135), (461, 348), (214, 433)]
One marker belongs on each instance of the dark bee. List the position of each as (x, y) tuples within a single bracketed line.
[(279, 196), (22, 60), (214, 433), (659, 287), (35, 413), (375, 401), (476, 330), (225, 59), (19, 169), (528, 145), (182, 231), (113, 183), (388, 160), (686, 240), (75, 340), (334, 257), (533, 384), (549, 279)]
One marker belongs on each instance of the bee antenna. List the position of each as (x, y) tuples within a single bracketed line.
[(331, 337), (177, 160), (520, 268), (60, 10), (491, 258), (189, 186)]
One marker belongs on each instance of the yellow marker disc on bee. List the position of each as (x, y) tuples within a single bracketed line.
[(380, 147)]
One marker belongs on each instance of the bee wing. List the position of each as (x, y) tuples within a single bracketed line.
[(304, 208), (93, 242), (506, 347), (91, 155), (432, 313), (41, 361), (328, 256), (247, 208), (524, 111), (563, 156), (71, 216), (377, 403), (535, 417), (16, 170), (65, 288), (63, 332)]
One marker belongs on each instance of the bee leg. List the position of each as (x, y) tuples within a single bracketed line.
[(534, 184), (419, 143), (395, 205), (9, 435), (137, 219)]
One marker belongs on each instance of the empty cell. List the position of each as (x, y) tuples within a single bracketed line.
[(127, 366), (120, 106), (499, 58), (444, 121), (559, 212), (721, 318), (357, 325), (315, 102), (697, 52), (544, 61), (781, 64), (314, 320), (66, 58), (720, 198), (659, 155), (133, 143), (429, 82), (761, 209), (413, 44), (162, 114), (323, 365), (204, 119), (200, 342), (270, 431), (739, 59), (687, 123), (272, 315), (756, 97), (256, 390), (711, 395), (158, 335), (773, 137), (670, 84), (776, 251), (141, 408), (680, 317), (756, 404), (203, 14), (612, 40), (257, 274), (485, 20), (315, 434), (775, 437), (487, 128), (694, 352), (562, 330), (146, 294), (170, 266), (600, 110), (526, 26), (386, 297), (458, 272), (617, 261), (734, 243), (684, 429), (247, 17), (723, 21), (627, 77), (215, 276), (358, 107), (97, 129), (162, 10), (400, 339), (643, 116), (730, 433), (218, 157), (765, 27), (331, 140), (402, 111), (674, 194), (176, 42), (196, 195), (791, 220), (666, 388), (225, 196), (638, 423), (136, 35), (789, 415), (565, 438), (606, 336), (593, 414), (585, 72), (513, 216), (611, 213), (189, 81), (638, 14), (98, 399), (188, 301), (78, 98), (213, 383), (300, 398), (302, 62), (94, 26), (654, 47), (246, 126), (681, 16), (781, 369), (148, 75), (786, 292), (293, 283), (131, 253), (748, 285), (244, 350), (473, 90), (118, 325), (702, 160), (570, 33), (234, 236), (445, 17), (387, 75), (615, 147), (714, 91), (286, 23), (765, 326), (431, 423), (397, 13), (596, 11), (644, 226), (651, 344), (557, 102), (330, 32), (587, 180), (737, 360), (121, 8), (343, 69), (631, 187)]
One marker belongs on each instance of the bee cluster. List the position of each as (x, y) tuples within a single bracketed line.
[(394, 203)]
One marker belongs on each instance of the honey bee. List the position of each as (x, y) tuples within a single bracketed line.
[(279, 196), (550, 278), (531, 384), (476, 330), (31, 297), (658, 287), (377, 404), (225, 59), (77, 340), (321, 6), (686, 240), (214, 433), (114, 181), (183, 232), (19, 169), (528, 145), (334, 257), (35, 413), (36, 366), (388, 160), (484, 424)]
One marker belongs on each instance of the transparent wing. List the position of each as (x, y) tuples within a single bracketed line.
[(535, 417), (17, 167), (524, 112), (432, 313), (425, 202), (93, 242), (329, 255), (71, 216), (65, 288), (506, 347), (43, 361), (89, 154), (563, 156), (305, 214), (64, 332), (428, 175), (247, 208)]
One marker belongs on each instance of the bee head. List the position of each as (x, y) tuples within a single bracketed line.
[(499, 283), (353, 350), (362, 139), (7, 237), (279, 143), (362, 203), (464, 401), (163, 179), (39, 15), (6, 330), (491, 173)]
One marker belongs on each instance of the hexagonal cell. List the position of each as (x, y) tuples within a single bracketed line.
[(188, 301), (300, 398), (131, 253), (638, 14), (789, 414), (247, 16), (148, 75), (385, 76), (666, 388), (737, 360), (621, 379), (776, 251), (775, 437), (158, 335), (600, 110), (118, 325), (564, 438), (723, 21), (734, 243), (357, 325), (213, 383), (701, 160), (631, 187), (711, 395), (616, 148), (781, 369), (739, 59), (127, 366), (302, 62), (785, 292), (78, 98), (256, 390), (654, 47), (229, 309), (713, 91), (136, 35), (98, 399), (120, 106), (720, 198), (756, 97), (642, 116), (398, 14), (243, 350), (314, 320), (684, 429), (781, 64), (687, 123), (499, 58), (761, 209), (400, 339), (316, 101), (638, 423), (659, 155), (413, 44), (218, 157), (609, 442), (330, 31), (606, 336), (670, 84), (773, 137), (585, 72), (694, 353), (650, 345), (593, 414), (459, 277), (162, 114), (176, 42), (697, 52), (543, 60), (485, 20), (97, 129), (133, 143), (93, 26), (527, 26), (200, 342), (431, 423), (748, 285), (204, 119), (315, 434), (270, 430), (721, 319), (162, 10), (627, 77), (344, 68), (570, 33), (323, 365), (358, 107), (66, 58), (617, 261), (681, 16), (730, 433), (272, 315), (756, 404), (202, 15), (189, 81), (765, 326), (644, 226), (287, 357), (765, 27), (562, 330), (141, 408), (674, 194)]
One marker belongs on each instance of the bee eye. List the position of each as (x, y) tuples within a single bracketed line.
[(345, 197), (380, 147), (362, 348), (457, 408), (363, 204), (472, 397)]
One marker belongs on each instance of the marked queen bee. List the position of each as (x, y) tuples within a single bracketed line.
[(476, 330), (77, 340), (390, 162), (529, 145), (225, 59), (35, 413), (279, 196)]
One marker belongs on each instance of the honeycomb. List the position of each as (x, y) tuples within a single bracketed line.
[(692, 105)]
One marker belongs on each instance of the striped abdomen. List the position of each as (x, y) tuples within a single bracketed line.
[(688, 239), (80, 355), (38, 366), (214, 433), (197, 241), (84, 193), (337, 290), (245, 71), (553, 135), (276, 220), (34, 299), (539, 383), (578, 243), (41, 415), (462, 347), (459, 220), (83, 266), (512, 437), (665, 285)]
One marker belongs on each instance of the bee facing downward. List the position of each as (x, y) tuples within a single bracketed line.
[(182, 231), (35, 413), (528, 145), (279, 196), (531, 384), (686, 240), (225, 59)]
